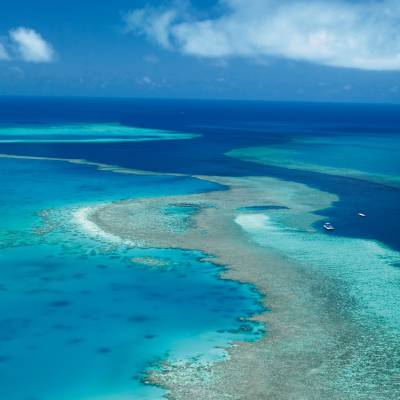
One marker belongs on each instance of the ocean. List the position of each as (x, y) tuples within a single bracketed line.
[(84, 316)]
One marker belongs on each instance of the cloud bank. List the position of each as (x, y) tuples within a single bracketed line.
[(27, 45), (339, 33)]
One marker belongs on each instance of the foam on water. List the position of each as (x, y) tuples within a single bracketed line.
[(81, 218)]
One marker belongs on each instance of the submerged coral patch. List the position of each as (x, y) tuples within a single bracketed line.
[(85, 133)]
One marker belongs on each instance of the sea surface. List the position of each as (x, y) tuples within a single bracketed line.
[(83, 318)]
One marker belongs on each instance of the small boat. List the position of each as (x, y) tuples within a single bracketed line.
[(328, 226), (360, 214)]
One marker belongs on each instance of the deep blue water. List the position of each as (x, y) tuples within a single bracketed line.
[(225, 126)]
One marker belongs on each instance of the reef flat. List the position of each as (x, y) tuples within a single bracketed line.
[(85, 133), (331, 331), (310, 340), (369, 158), (318, 343)]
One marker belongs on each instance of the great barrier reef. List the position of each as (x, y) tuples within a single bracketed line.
[(156, 249)]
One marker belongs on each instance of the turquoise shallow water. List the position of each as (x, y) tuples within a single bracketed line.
[(375, 154), (30, 186), (84, 327), (82, 319), (366, 269), (372, 157), (361, 282), (85, 133)]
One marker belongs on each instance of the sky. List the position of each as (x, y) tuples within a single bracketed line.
[(285, 50)]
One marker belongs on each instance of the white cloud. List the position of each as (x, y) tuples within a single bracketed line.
[(339, 33), (31, 46), (145, 81), (152, 22)]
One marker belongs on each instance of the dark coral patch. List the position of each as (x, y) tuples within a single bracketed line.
[(150, 336), (104, 350), (60, 303), (139, 318)]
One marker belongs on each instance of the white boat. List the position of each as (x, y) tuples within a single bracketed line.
[(360, 214), (328, 226)]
